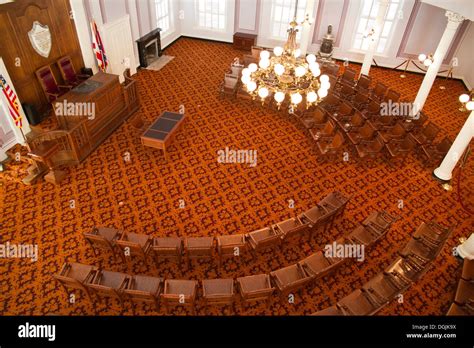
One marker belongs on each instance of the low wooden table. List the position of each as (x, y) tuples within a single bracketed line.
[(161, 132)]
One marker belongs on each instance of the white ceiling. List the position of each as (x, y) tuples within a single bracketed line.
[(463, 7)]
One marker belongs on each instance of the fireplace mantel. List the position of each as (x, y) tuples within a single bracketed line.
[(144, 41)]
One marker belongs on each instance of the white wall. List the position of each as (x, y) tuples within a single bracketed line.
[(465, 57)]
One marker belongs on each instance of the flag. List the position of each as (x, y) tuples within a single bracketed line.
[(13, 104), (98, 47)]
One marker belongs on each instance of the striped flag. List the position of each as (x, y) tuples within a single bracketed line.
[(98, 47), (13, 104)]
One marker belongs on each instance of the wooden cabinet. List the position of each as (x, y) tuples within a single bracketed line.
[(244, 41)]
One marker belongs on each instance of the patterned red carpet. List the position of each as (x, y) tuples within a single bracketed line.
[(143, 195)]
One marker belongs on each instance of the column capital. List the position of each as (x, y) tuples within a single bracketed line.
[(454, 17)]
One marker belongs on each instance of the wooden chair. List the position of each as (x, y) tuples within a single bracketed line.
[(344, 112), (464, 292), (433, 232), (361, 302), (413, 125), (330, 103), (355, 122), (383, 122), (331, 148), (427, 134), (360, 100), (231, 246), (330, 69), (198, 248), (49, 85), (346, 92), (379, 91), (330, 311), (139, 123), (325, 132), (387, 286), (363, 84), (370, 149), (141, 288), (365, 133), (379, 221), (397, 132), (392, 95), (133, 244), (468, 270), (291, 229), (434, 153), (249, 59), (314, 119), (318, 265), (348, 77), (168, 248), (318, 217), (68, 72), (108, 284), (75, 276), (373, 110), (256, 50), (457, 310), (236, 70), (103, 238), (290, 279), (400, 148), (409, 267), (363, 236), (229, 85), (255, 288), (179, 293), (335, 202), (264, 238), (218, 292)]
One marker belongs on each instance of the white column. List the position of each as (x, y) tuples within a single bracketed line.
[(445, 170), (374, 39), (466, 249), (454, 20), (306, 28)]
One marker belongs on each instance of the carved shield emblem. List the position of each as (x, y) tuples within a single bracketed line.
[(40, 38)]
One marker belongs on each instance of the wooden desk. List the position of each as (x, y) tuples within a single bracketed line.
[(161, 132)]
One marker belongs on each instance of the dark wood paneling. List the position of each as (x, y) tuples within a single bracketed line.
[(16, 20)]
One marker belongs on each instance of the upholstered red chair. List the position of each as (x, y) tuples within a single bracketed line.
[(68, 73), (49, 85)]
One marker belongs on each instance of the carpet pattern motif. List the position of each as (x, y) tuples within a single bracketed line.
[(143, 196)]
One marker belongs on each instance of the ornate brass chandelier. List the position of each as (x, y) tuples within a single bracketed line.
[(287, 74)]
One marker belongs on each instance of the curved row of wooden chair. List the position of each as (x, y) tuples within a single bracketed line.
[(464, 299), (261, 287), (129, 245), (413, 261)]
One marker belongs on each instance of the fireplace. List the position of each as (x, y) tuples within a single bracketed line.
[(149, 47)]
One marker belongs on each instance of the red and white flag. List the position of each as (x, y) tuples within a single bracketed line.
[(13, 104), (98, 47)]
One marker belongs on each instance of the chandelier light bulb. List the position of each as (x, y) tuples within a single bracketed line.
[(324, 78), (311, 97), (279, 97), (263, 92), (422, 57), (245, 79), (296, 98), (322, 93), (315, 71), (470, 105), (300, 71), (278, 51), (297, 53), (428, 62), (246, 72), (264, 63), (253, 67), (464, 98), (311, 58), (251, 86), (325, 85), (264, 55), (279, 69)]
